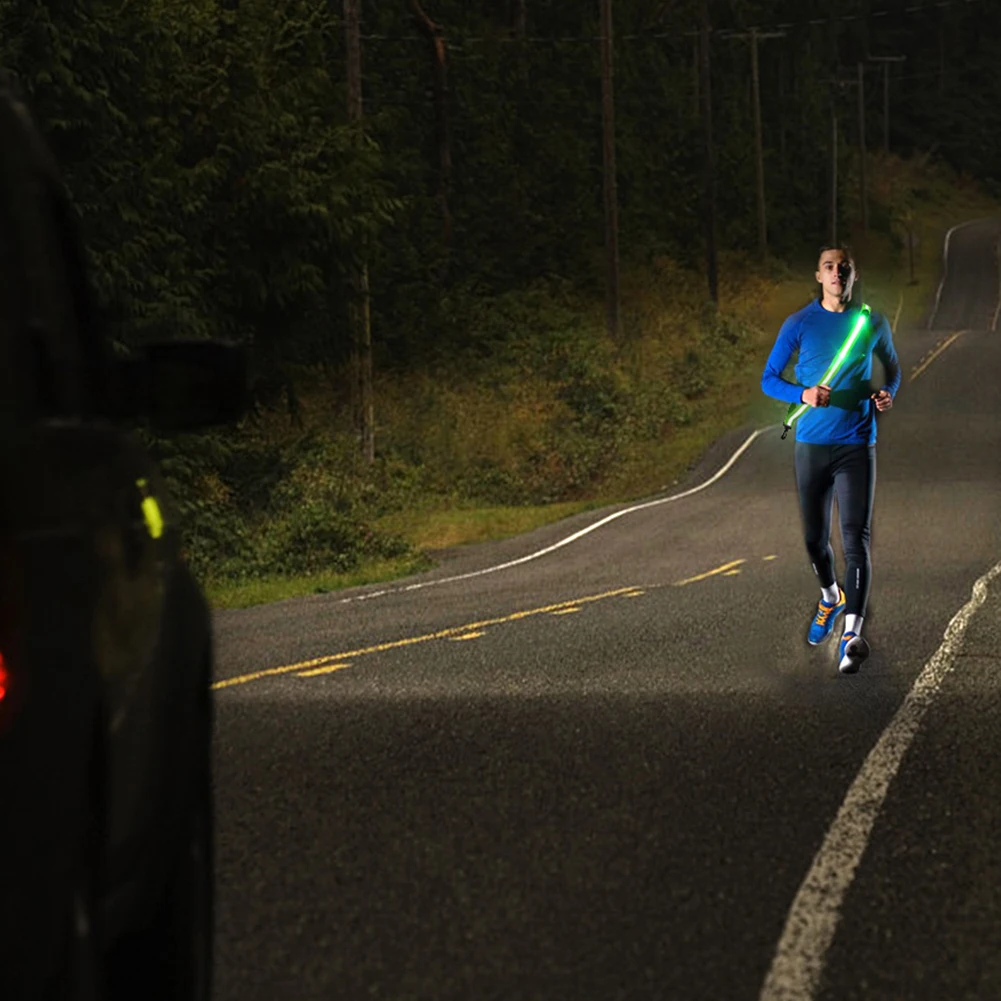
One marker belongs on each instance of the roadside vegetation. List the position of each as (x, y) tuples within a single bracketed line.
[(549, 420), (226, 191)]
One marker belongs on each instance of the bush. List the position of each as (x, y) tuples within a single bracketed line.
[(250, 508)]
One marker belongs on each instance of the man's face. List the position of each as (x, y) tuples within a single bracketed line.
[(836, 273)]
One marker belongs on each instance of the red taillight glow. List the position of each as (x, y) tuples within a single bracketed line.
[(3, 678)]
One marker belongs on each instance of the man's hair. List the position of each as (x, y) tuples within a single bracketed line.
[(843, 247), (846, 250)]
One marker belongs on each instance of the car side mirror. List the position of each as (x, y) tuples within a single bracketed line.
[(182, 385)]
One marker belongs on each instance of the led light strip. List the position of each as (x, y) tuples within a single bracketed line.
[(796, 410)]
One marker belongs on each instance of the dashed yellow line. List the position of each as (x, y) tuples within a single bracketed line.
[(329, 659), (709, 573), (329, 669), (929, 358), (330, 663)]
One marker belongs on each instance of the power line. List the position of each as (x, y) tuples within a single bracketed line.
[(914, 8)]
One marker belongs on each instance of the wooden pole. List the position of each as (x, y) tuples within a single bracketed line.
[(886, 107), (710, 157), (613, 318), (886, 60), (861, 142), (758, 148), (696, 71), (754, 36), (834, 169), (360, 307), (439, 54)]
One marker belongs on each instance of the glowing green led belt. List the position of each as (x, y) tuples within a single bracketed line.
[(796, 410)]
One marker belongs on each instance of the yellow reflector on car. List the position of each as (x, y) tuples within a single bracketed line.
[(151, 511)]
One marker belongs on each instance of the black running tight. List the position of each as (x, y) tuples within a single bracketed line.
[(850, 470)]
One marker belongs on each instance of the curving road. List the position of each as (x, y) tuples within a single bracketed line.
[(614, 768)]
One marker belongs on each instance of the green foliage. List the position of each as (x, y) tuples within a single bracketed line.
[(224, 192), (255, 507)]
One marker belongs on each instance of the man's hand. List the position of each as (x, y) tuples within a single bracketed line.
[(817, 396), (882, 399)]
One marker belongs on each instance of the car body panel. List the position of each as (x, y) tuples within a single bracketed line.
[(104, 632)]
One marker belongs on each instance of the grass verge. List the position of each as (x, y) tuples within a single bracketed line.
[(473, 434), (243, 594)]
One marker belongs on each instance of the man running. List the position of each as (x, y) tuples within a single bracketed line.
[(835, 447)]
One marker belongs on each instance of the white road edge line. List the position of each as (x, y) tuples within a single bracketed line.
[(576, 535), (813, 919), (997, 312), (945, 269), (638, 507)]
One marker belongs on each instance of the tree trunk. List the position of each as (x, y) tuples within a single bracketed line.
[(705, 92), (359, 312), (520, 20), (439, 56), (520, 33), (613, 320)]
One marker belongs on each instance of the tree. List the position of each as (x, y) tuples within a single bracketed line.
[(439, 60)]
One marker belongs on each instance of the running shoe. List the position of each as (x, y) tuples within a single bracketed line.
[(853, 651), (823, 621)]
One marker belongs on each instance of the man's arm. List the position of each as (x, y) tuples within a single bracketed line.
[(884, 350), (772, 383)]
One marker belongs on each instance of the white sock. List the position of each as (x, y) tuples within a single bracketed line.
[(830, 594), (853, 624)]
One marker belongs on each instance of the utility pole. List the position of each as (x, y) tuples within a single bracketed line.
[(886, 60), (839, 84), (697, 70), (613, 319), (359, 311), (755, 36), (861, 142), (834, 169), (705, 94)]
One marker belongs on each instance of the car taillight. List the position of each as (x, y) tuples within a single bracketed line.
[(4, 679)]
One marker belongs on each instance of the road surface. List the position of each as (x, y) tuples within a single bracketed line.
[(601, 761)]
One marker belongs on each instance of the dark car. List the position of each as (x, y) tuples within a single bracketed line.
[(105, 639)]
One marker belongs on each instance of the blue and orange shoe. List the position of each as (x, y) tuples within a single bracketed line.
[(853, 651), (823, 621)]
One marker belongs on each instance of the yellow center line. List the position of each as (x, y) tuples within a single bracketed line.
[(567, 611), (920, 368), (709, 573), (270, 672), (767, 558), (323, 670), (468, 636)]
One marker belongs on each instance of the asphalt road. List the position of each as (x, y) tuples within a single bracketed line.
[(616, 769)]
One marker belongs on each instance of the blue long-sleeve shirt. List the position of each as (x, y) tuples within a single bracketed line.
[(818, 334)]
